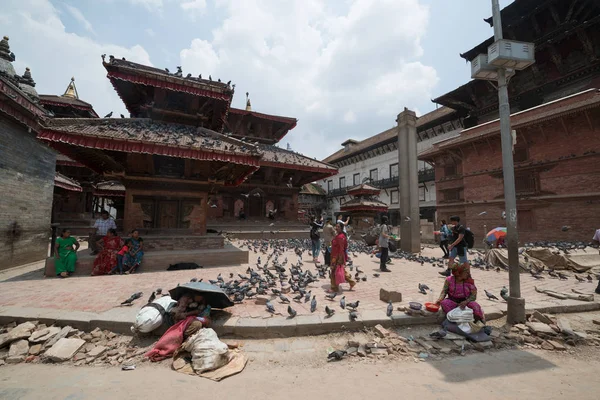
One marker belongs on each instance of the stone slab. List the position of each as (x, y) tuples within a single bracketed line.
[(538, 327), (21, 331), (19, 348), (64, 349), (60, 335), (281, 326), (387, 295), (44, 334)]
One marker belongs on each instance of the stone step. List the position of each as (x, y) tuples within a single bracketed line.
[(160, 260)]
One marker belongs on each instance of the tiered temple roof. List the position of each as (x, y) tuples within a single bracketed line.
[(66, 183), (69, 104)]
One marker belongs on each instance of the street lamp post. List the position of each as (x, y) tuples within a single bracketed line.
[(500, 62), (516, 304)]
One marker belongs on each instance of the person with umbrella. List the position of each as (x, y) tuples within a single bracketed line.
[(192, 313)]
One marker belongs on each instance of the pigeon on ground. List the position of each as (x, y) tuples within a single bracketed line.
[(307, 296), (313, 304), (133, 297), (354, 305), (489, 295), (580, 279), (152, 297), (343, 302), (291, 312), (504, 293), (329, 311), (159, 291), (390, 309), (562, 276), (337, 355), (423, 288), (353, 315), (270, 307), (284, 299), (331, 296)]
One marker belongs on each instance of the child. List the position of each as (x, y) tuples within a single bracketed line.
[(120, 256)]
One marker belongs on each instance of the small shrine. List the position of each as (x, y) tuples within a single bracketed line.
[(363, 207)]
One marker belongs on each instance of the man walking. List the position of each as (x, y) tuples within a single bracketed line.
[(383, 244), (101, 227), (458, 245)]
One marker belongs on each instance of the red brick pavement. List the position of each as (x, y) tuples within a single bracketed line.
[(99, 294)]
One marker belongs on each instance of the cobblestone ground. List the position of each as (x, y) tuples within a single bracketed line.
[(99, 294)]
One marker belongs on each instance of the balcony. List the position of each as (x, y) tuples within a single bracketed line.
[(386, 183), (426, 175), (338, 192)]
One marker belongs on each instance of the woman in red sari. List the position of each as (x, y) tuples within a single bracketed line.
[(107, 259), (339, 246)]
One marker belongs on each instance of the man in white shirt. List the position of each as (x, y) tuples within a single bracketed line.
[(101, 227), (344, 223)]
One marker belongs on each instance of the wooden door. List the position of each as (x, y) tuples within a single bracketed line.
[(168, 212)]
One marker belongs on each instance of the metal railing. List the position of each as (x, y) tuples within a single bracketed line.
[(425, 175)]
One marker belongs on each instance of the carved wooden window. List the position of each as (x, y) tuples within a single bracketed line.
[(526, 183), (452, 194), (521, 154), (450, 170), (342, 182), (356, 179)]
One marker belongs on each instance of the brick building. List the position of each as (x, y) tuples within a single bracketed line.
[(555, 107), (26, 168)]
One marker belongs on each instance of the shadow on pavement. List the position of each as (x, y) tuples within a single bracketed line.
[(492, 364)]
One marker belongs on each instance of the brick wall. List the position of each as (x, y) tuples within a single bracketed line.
[(563, 159), (26, 186)]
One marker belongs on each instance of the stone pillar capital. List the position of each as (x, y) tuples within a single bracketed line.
[(406, 117)]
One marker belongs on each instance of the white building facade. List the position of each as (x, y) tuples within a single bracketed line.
[(375, 160)]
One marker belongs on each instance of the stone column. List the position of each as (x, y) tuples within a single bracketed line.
[(410, 223)]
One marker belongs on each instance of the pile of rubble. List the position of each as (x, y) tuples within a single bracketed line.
[(540, 332), (33, 342), (543, 331)]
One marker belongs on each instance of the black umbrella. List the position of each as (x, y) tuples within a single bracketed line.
[(213, 295)]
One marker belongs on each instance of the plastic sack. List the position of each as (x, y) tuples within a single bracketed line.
[(340, 275), (149, 318), (207, 351), (459, 316)]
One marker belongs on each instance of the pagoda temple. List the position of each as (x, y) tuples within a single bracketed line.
[(184, 156), (364, 206)]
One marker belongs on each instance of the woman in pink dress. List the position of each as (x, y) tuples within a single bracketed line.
[(460, 291)]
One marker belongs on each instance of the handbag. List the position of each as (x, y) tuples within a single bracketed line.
[(392, 246)]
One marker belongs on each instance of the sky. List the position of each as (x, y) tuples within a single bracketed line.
[(343, 68)]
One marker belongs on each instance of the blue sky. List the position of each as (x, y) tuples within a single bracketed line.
[(344, 68)]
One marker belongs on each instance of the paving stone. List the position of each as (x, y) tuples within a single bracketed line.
[(541, 317), (60, 335), (22, 331), (64, 349), (425, 345), (352, 350), (557, 345), (539, 327), (35, 349), (390, 295), (79, 356), (353, 343), (18, 348), (362, 351), (547, 346), (96, 351), (379, 351), (44, 334)]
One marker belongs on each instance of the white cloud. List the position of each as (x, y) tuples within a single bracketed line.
[(349, 117), (150, 5), (340, 71), (150, 32), (78, 15), (194, 7), (39, 41)]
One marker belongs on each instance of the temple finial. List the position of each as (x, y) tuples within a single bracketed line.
[(71, 90), (248, 104)]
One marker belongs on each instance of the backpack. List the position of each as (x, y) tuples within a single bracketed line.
[(469, 238), (314, 234)]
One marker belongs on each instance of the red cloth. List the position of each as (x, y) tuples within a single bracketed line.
[(340, 275), (170, 341), (123, 251), (338, 250), (107, 259)]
